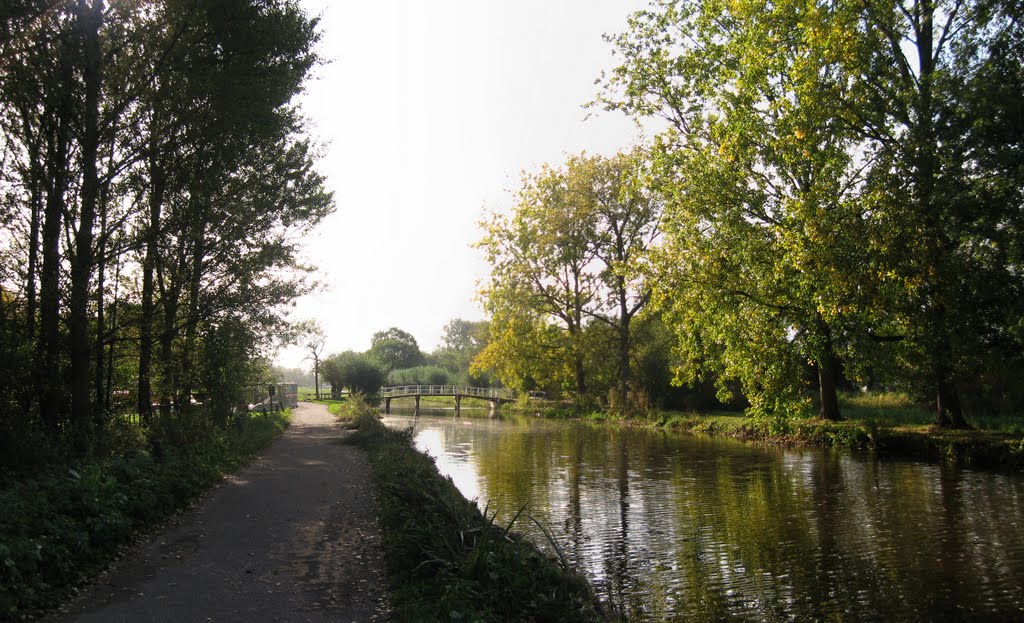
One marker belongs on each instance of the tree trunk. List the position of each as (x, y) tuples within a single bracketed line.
[(108, 391), (99, 366), (316, 377), (579, 371), (99, 383), (51, 391), (581, 377), (89, 20), (624, 371), (49, 297), (192, 321), (828, 379), (168, 365), (624, 344), (156, 197), (35, 177), (145, 391), (948, 410)]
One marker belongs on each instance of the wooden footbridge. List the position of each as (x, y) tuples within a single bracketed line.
[(493, 395)]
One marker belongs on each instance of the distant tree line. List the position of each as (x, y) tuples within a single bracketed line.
[(302, 377), (155, 176), (395, 358), (835, 199)]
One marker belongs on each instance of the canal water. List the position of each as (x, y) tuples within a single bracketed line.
[(672, 527)]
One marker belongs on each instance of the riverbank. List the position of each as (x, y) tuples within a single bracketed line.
[(980, 449), (887, 425), (446, 559), (61, 527)]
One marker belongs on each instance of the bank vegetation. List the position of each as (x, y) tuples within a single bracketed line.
[(447, 559), (832, 202)]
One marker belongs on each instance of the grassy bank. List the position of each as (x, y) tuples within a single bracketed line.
[(985, 449), (444, 402), (447, 560), (333, 405), (60, 527), (888, 424)]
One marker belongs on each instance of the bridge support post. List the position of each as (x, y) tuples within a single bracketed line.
[(458, 405), (494, 408), (417, 411), (387, 406)]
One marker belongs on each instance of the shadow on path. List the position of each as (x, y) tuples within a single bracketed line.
[(293, 537)]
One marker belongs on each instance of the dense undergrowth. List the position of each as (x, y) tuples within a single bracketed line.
[(62, 525), (447, 560)]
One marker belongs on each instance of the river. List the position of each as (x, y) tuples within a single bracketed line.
[(674, 527)]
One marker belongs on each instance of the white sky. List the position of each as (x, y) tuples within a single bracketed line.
[(429, 110)]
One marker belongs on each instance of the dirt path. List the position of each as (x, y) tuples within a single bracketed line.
[(293, 537)]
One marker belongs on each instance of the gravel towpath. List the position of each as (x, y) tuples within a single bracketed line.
[(291, 538)]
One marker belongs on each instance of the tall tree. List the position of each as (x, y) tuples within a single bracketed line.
[(395, 349), (818, 197), (626, 213), (312, 338), (159, 137), (913, 81), (540, 271), (89, 21)]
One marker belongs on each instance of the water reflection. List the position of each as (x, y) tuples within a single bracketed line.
[(672, 527)]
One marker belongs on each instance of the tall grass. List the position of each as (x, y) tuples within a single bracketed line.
[(447, 560)]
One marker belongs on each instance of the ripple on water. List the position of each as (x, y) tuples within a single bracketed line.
[(686, 528)]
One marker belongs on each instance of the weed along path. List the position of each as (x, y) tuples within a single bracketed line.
[(291, 538)]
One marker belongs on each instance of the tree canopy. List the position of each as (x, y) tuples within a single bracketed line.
[(827, 199), (571, 254), (156, 179), (394, 349)]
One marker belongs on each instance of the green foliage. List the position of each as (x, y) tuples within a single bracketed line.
[(836, 196), (228, 365), (566, 270), (885, 423), (461, 342), (160, 239), (63, 525), (395, 349), (357, 371), (447, 561), (421, 375)]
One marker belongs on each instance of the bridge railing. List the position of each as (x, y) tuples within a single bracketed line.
[(488, 393)]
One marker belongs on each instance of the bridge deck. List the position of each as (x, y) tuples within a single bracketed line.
[(498, 394)]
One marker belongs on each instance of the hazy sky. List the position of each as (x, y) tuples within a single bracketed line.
[(428, 111)]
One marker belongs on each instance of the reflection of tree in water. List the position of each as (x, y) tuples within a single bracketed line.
[(617, 557), (675, 528), (573, 524)]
